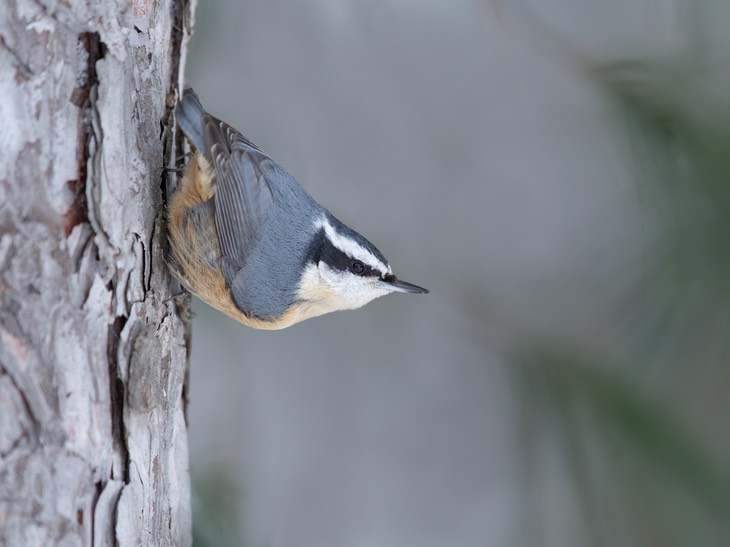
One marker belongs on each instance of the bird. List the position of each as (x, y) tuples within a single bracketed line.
[(246, 238)]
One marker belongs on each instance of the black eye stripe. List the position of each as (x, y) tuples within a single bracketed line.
[(326, 252), (358, 267)]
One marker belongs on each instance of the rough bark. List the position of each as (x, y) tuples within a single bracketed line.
[(93, 446)]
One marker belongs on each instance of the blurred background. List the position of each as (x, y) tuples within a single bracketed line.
[(557, 173)]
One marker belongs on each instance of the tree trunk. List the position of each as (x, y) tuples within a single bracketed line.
[(93, 446)]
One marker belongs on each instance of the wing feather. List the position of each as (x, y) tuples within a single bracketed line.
[(243, 197)]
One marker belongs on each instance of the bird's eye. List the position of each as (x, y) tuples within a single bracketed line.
[(358, 267)]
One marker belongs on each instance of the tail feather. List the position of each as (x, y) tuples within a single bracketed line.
[(189, 112)]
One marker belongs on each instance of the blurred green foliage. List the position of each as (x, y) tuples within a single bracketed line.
[(644, 477), (216, 507), (646, 446)]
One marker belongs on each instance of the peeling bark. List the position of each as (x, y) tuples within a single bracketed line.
[(93, 446)]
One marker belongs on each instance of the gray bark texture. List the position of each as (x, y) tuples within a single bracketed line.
[(93, 441)]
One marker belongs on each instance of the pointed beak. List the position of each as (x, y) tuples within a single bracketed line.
[(394, 284)]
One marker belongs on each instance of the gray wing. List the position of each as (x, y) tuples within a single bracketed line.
[(243, 197)]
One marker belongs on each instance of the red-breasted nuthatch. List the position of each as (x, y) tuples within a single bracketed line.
[(247, 239)]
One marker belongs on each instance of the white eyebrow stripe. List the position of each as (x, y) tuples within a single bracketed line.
[(352, 248)]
